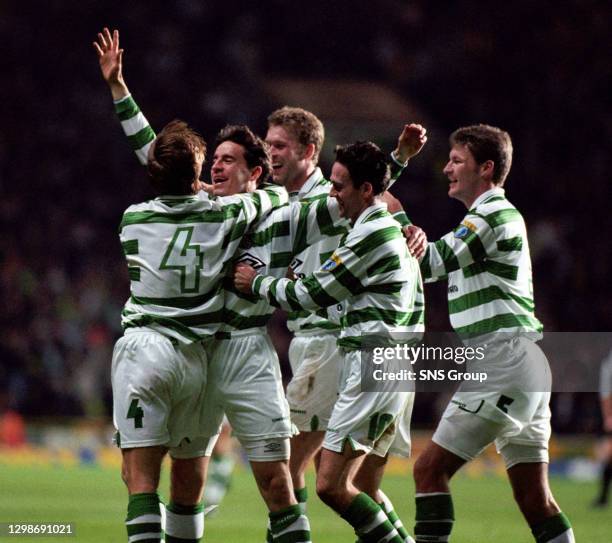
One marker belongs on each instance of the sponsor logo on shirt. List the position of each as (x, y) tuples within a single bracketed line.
[(333, 262), (464, 229)]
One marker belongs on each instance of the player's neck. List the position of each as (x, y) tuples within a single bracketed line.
[(298, 182)]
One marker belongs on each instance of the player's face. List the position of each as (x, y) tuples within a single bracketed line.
[(229, 172), (464, 175), (287, 153), (351, 201)]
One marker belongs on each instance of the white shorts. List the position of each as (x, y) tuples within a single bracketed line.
[(312, 392), (368, 421), (158, 394), (507, 409), (245, 384)]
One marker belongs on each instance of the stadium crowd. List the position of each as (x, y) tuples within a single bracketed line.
[(64, 162)]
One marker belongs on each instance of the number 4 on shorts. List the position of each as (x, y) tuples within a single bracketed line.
[(135, 412)]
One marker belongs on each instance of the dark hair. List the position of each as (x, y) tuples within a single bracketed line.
[(487, 143), (304, 125), (366, 163), (172, 162), (255, 149)]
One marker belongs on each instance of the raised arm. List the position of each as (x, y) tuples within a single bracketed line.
[(110, 57), (134, 123), (410, 142)]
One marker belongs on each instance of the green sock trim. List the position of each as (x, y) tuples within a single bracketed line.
[(394, 518), (279, 520), (361, 512), (179, 509), (301, 494), (143, 504), (397, 523), (551, 528)]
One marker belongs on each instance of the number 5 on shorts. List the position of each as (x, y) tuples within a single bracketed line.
[(504, 402), (135, 412)]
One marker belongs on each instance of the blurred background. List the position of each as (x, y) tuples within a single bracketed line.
[(540, 70)]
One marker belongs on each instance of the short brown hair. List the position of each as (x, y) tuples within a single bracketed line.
[(487, 143), (172, 162), (256, 151), (304, 125)]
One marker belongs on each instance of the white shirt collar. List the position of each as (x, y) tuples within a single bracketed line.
[(368, 211), (495, 191), (310, 183)]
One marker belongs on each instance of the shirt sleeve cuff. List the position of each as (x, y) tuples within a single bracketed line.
[(129, 95), (402, 218), (255, 286), (400, 164)]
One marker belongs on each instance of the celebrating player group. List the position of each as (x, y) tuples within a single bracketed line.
[(208, 264)]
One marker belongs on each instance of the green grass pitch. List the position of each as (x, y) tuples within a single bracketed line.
[(94, 499)]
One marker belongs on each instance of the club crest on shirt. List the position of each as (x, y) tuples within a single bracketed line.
[(464, 229), (251, 260), (332, 263)]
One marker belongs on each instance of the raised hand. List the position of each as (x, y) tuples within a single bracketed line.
[(410, 142), (110, 57)]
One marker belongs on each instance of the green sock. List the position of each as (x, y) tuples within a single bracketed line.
[(370, 521), (434, 517), (301, 495), (555, 529), (289, 525), (184, 523), (387, 507), (143, 520)]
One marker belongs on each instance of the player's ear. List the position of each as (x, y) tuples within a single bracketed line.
[(256, 173), (487, 168), (367, 191), (309, 151)]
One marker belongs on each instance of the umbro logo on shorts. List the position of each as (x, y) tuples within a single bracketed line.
[(272, 447)]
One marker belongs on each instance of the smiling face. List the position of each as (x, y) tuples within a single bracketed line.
[(229, 172), (290, 164), (351, 201), (466, 175)]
